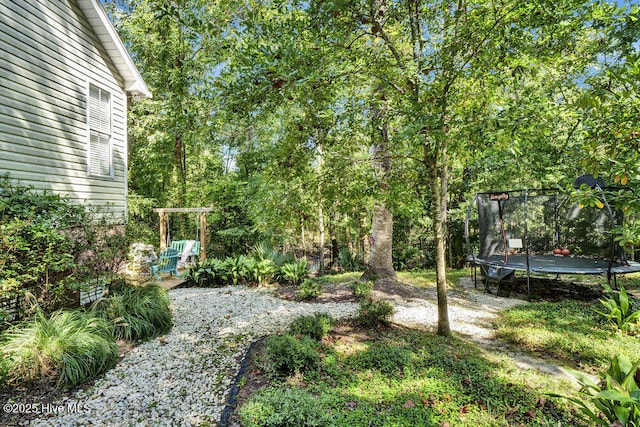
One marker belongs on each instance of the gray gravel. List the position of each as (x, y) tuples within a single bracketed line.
[(183, 378)]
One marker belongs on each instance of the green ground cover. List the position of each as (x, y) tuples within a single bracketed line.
[(402, 377), (570, 331)]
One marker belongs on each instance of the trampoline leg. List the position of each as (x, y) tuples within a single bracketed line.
[(475, 277)]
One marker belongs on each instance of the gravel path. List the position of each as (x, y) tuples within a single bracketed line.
[(183, 378)]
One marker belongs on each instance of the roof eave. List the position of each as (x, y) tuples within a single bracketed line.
[(108, 36)]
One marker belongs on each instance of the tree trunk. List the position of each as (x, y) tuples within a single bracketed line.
[(321, 230), (380, 263), (438, 187)]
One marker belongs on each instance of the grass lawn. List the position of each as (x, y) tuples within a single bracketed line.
[(403, 377), (567, 330)]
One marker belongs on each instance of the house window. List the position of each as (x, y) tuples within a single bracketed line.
[(100, 156)]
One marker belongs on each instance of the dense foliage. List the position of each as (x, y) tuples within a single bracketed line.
[(52, 248), (70, 345), (136, 313), (365, 126)]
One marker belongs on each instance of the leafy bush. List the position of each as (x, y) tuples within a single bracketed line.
[(622, 311), (137, 313), (73, 345), (374, 313), (284, 408), (235, 269), (258, 271), (51, 247), (295, 272), (616, 398), (314, 327), (286, 354), (349, 261), (211, 273), (309, 289), (361, 289), (407, 257)]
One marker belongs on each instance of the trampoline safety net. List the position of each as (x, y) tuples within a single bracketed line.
[(544, 231), (543, 222)]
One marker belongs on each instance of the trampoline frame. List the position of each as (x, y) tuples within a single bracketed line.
[(502, 271)]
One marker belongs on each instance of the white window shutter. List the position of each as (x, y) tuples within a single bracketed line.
[(100, 160)]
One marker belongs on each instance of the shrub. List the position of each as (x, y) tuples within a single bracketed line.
[(258, 271), (137, 313), (295, 272), (211, 273), (616, 398), (349, 261), (622, 311), (73, 345), (286, 354), (235, 269), (314, 327), (51, 247), (361, 290), (309, 290), (374, 313), (284, 408)]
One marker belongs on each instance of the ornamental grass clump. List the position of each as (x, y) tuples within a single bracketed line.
[(137, 313), (74, 346)]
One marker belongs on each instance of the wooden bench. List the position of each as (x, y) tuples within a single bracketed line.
[(179, 246)]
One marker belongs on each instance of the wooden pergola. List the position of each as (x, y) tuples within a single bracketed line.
[(203, 226)]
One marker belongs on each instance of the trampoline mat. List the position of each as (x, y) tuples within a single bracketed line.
[(556, 264)]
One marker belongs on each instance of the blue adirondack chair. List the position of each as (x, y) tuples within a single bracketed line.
[(167, 262)]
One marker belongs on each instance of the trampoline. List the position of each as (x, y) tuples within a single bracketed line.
[(542, 231)]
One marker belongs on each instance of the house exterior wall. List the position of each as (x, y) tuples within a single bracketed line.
[(49, 55)]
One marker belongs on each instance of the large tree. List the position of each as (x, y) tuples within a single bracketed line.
[(438, 60)]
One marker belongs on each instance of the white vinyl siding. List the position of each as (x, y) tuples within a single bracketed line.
[(99, 120), (50, 54)]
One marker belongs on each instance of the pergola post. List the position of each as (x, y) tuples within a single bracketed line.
[(163, 230), (203, 234), (163, 212)]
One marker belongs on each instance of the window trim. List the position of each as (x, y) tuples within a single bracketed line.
[(91, 130)]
